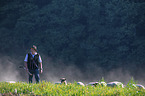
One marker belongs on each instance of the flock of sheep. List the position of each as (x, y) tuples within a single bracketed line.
[(110, 84)]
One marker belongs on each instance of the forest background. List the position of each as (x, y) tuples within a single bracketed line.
[(74, 37)]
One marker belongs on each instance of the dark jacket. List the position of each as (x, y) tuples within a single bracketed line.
[(33, 63)]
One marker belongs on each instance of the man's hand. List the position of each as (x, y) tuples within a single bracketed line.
[(28, 71), (41, 70), (26, 68)]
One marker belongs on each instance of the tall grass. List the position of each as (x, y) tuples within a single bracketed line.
[(50, 89)]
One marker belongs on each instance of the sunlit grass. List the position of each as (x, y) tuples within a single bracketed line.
[(50, 89)]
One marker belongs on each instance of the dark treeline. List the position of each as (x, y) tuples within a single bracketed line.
[(109, 33)]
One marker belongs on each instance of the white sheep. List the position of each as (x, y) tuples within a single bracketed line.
[(115, 84), (10, 81), (140, 86), (80, 83), (58, 83), (103, 83)]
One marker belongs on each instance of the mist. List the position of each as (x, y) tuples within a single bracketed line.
[(8, 70), (54, 70), (93, 31)]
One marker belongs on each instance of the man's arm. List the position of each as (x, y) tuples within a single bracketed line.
[(41, 69), (26, 68), (25, 62)]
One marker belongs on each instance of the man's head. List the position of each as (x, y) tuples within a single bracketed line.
[(33, 49)]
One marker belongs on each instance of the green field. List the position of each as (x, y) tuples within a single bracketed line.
[(50, 89)]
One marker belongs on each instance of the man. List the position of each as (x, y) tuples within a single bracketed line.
[(32, 63)]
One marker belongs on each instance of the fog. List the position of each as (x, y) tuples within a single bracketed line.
[(54, 70), (8, 70)]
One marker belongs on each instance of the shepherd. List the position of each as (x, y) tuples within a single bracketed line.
[(32, 62)]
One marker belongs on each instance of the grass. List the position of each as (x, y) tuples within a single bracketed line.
[(50, 89)]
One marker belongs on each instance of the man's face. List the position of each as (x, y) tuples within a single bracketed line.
[(32, 50)]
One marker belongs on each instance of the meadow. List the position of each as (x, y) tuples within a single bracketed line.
[(72, 89)]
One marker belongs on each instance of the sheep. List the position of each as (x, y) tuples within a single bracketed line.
[(80, 83), (114, 84), (137, 86), (62, 81), (97, 83), (93, 83), (131, 85), (140, 86), (103, 83), (58, 83), (10, 81)]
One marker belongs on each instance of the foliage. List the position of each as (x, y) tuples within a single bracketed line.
[(50, 89)]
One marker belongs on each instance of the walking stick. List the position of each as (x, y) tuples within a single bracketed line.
[(24, 69)]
